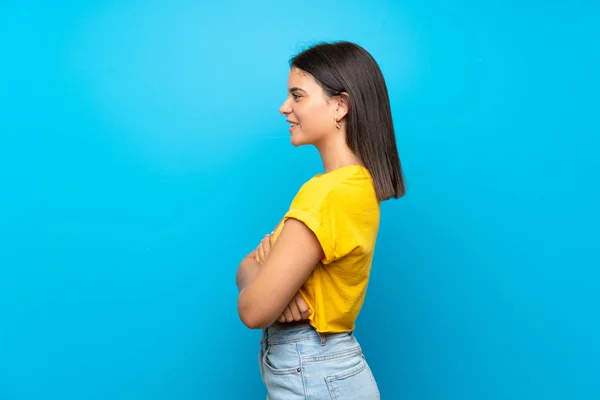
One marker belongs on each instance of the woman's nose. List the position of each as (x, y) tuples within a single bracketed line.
[(285, 108)]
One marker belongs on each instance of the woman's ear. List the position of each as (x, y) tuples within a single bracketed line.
[(343, 105)]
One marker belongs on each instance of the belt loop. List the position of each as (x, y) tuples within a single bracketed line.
[(323, 339)]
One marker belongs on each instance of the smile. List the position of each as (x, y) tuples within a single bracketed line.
[(292, 125)]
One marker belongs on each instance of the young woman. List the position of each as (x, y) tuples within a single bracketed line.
[(305, 283)]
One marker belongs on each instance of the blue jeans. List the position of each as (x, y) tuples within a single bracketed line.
[(296, 362)]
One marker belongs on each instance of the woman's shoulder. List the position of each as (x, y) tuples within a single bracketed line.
[(341, 185)]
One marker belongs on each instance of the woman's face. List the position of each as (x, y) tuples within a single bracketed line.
[(308, 110)]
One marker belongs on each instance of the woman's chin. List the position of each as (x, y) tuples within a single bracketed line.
[(296, 141)]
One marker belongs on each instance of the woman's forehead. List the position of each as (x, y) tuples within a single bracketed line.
[(301, 80)]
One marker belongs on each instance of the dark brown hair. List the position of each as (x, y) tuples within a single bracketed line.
[(347, 67)]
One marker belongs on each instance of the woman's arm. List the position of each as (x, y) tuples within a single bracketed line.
[(266, 291), (247, 271)]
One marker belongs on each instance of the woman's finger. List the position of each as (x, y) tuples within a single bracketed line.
[(267, 244), (300, 303), (256, 255), (296, 314), (288, 315), (263, 249), (302, 306)]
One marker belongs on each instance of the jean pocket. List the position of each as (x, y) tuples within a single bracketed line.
[(282, 359), (353, 379)]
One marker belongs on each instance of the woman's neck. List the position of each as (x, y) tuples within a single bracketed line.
[(336, 154)]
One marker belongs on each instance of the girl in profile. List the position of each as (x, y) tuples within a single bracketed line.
[(305, 284)]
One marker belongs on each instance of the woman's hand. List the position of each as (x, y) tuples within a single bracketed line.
[(297, 309), (264, 248)]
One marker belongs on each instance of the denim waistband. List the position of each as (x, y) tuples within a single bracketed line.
[(292, 332)]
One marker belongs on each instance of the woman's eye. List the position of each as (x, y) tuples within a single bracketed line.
[(296, 97)]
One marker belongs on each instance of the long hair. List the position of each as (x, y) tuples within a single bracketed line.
[(347, 67)]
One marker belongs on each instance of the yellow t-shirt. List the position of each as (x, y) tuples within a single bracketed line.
[(342, 209)]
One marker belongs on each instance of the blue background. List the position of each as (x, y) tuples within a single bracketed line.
[(142, 155)]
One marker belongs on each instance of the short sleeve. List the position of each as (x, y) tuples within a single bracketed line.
[(330, 216)]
